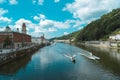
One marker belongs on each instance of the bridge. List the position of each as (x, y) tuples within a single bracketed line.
[(65, 40)]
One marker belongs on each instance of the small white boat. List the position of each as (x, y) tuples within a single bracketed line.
[(72, 58)]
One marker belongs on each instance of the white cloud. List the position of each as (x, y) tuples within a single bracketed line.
[(32, 28), (56, 1), (2, 11), (2, 1), (40, 2), (18, 24), (22, 20), (5, 19), (2, 18), (66, 33), (28, 23), (42, 16), (38, 29), (36, 18), (52, 29), (34, 1), (51, 23), (13, 2), (46, 23), (61, 25), (39, 17), (90, 9)]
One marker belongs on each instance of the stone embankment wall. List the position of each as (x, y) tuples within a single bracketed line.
[(112, 44), (5, 58)]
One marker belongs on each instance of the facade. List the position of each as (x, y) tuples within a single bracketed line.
[(11, 39)]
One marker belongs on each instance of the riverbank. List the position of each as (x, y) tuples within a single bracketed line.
[(101, 44), (16, 54)]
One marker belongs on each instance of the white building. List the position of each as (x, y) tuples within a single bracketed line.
[(36, 40), (115, 37), (39, 40)]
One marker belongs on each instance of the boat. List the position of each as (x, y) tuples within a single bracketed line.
[(72, 58)]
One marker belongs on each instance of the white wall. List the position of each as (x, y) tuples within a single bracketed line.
[(36, 40)]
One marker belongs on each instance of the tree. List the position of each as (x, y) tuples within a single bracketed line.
[(7, 42)]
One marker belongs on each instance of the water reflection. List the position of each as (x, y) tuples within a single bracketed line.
[(109, 58), (50, 63), (12, 67)]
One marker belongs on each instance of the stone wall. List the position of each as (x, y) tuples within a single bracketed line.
[(5, 58)]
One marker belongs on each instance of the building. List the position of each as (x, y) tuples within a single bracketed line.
[(36, 40), (24, 31), (11, 39), (115, 37), (39, 40)]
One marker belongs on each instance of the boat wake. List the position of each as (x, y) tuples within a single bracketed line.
[(89, 55), (68, 56)]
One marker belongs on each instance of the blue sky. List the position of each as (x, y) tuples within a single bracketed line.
[(52, 17)]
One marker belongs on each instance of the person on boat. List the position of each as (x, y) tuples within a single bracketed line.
[(73, 60)]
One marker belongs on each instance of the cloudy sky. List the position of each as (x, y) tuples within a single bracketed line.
[(52, 17)]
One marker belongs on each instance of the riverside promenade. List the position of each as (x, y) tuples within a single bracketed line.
[(7, 55)]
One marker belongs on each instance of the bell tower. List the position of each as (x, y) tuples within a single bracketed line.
[(24, 28)]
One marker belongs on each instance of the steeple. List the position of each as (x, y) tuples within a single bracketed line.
[(24, 28)]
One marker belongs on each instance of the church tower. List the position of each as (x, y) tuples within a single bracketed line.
[(24, 28)]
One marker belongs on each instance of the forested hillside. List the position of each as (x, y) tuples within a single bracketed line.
[(98, 29), (101, 28)]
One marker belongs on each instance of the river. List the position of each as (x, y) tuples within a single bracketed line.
[(53, 63)]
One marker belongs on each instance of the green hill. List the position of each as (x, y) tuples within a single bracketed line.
[(71, 35), (99, 29), (116, 32)]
